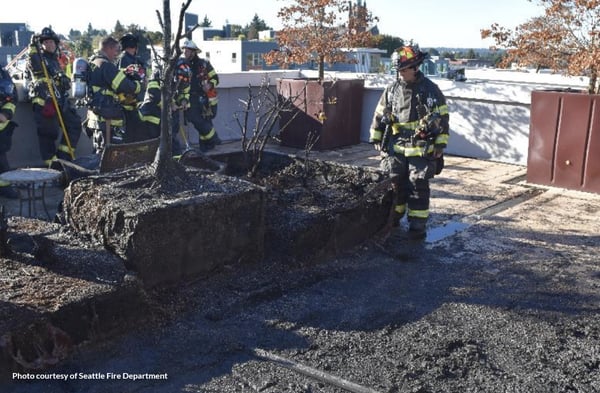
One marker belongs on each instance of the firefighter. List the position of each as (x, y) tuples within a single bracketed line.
[(150, 109), (49, 96), (107, 82), (8, 100), (134, 68), (203, 96), (410, 128)]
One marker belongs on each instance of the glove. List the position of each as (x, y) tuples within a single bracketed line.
[(63, 81), (376, 144), (35, 39), (387, 119), (438, 152), (207, 113), (184, 104)]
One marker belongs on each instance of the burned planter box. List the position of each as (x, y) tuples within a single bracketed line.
[(170, 233), (314, 209)]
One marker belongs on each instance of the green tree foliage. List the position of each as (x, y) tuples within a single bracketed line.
[(155, 37), (74, 35), (389, 43), (257, 24), (118, 30), (83, 46), (448, 55), (433, 52), (470, 54), (206, 22)]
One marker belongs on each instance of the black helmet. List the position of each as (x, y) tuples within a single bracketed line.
[(408, 56), (48, 34), (128, 41)]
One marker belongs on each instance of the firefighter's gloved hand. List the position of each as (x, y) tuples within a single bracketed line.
[(387, 119), (376, 144), (184, 104), (206, 86), (63, 81), (438, 152), (207, 113)]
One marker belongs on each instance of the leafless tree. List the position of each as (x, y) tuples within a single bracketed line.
[(261, 112), (164, 165)]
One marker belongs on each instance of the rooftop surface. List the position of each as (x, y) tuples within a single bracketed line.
[(505, 291)]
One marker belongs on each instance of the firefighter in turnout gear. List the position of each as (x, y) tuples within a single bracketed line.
[(49, 88), (151, 106), (8, 100), (106, 83), (410, 128), (134, 69), (203, 96)]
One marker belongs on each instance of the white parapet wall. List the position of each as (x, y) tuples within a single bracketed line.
[(489, 113)]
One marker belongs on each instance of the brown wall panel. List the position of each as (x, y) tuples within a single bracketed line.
[(573, 127), (564, 140), (542, 136)]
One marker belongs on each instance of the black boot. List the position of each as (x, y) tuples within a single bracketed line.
[(417, 228)]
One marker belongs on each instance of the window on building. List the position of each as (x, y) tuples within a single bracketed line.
[(376, 64), (7, 39), (253, 60), (234, 57)]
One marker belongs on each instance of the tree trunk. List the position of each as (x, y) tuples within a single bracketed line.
[(593, 85), (321, 68)]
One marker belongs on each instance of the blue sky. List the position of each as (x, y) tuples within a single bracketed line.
[(448, 23)]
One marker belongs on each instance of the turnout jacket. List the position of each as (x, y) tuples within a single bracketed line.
[(125, 60), (203, 71), (107, 81), (401, 100), (7, 108), (38, 91)]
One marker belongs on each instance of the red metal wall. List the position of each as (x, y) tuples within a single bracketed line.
[(564, 140)]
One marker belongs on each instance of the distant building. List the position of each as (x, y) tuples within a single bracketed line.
[(232, 54), (189, 21), (229, 53), (435, 66), (361, 60), (14, 37)]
